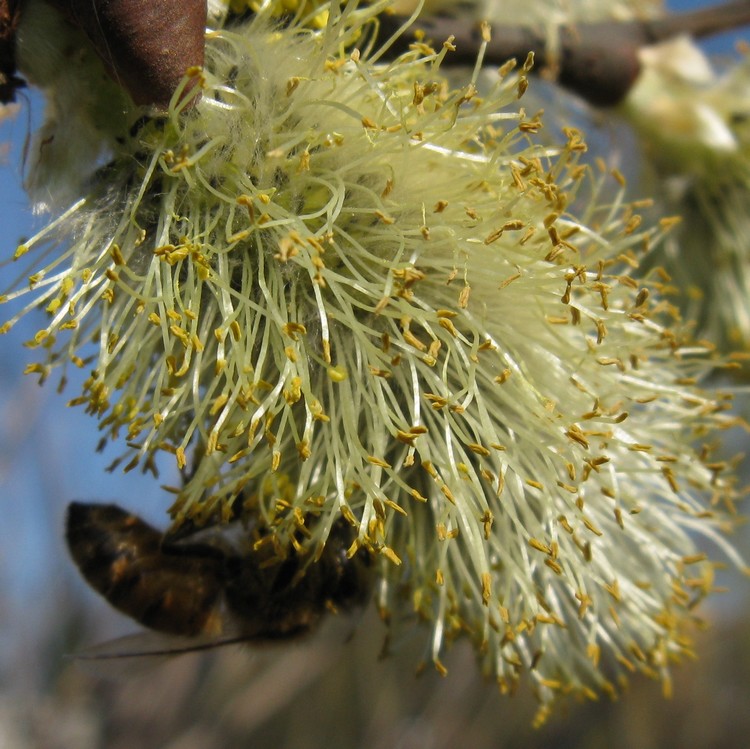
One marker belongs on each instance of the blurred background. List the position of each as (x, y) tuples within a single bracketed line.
[(331, 690)]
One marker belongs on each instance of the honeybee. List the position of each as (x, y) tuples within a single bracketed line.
[(205, 588)]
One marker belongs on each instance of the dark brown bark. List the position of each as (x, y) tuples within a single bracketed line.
[(9, 81), (146, 45)]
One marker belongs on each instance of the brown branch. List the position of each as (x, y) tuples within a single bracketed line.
[(147, 44), (598, 61), (9, 82), (701, 23)]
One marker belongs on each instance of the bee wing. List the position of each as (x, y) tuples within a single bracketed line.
[(141, 652)]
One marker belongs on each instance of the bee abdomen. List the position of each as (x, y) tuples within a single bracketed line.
[(120, 556)]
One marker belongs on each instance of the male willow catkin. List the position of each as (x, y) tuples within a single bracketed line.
[(355, 289)]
